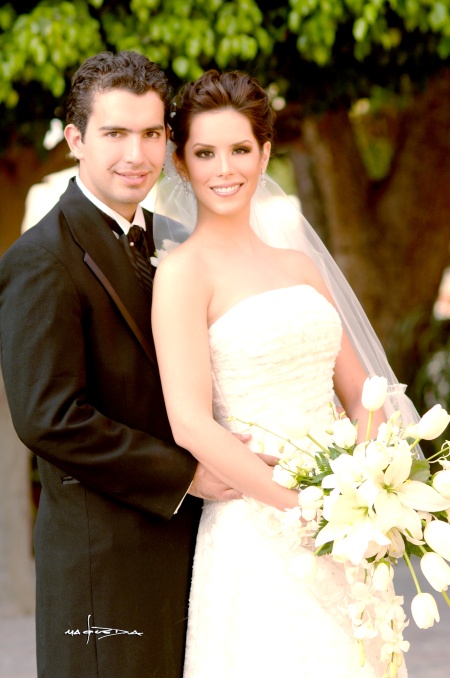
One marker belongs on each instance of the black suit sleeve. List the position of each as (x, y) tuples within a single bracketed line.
[(45, 364)]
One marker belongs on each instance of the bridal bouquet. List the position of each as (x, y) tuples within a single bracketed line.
[(367, 505)]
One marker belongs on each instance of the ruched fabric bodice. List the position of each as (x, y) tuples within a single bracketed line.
[(273, 351), (250, 614)]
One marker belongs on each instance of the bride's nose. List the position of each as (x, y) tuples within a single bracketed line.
[(224, 165)]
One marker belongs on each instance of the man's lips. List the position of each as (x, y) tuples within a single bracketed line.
[(133, 177)]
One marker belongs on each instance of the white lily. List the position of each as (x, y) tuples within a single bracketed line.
[(352, 526), (399, 497)]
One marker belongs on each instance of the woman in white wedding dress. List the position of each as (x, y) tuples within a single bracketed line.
[(246, 330)]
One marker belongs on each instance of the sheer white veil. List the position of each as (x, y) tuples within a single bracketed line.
[(277, 220)]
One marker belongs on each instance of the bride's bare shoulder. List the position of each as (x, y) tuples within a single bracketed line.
[(181, 264), (295, 259)]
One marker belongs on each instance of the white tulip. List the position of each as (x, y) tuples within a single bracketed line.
[(437, 536), (433, 423), (382, 576), (441, 483), (310, 500), (344, 433), (284, 477), (424, 610), (435, 570), (374, 393), (292, 425)]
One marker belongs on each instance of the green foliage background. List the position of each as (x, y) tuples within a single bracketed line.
[(320, 52)]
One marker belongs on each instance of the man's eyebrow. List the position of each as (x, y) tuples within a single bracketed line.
[(118, 128)]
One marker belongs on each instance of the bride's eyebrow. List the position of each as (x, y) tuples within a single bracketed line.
[(212, 147)]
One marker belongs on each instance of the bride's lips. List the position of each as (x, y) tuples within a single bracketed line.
[(133, 178), (226, 191)]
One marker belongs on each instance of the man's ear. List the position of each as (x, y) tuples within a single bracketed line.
[(73, 137)]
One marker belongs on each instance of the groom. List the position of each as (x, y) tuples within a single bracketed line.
[(115, 532)]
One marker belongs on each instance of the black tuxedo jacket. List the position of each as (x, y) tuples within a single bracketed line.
[(113, 562)]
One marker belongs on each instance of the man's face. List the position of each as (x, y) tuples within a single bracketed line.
[(122, 153)]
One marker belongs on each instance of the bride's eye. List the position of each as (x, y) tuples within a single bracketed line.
[(205, 153), (240, 150)]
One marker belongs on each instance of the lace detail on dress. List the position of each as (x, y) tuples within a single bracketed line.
[(250, 616)]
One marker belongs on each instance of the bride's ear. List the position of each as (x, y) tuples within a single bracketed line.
[(265, 155)]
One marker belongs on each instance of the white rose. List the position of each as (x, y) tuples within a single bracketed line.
[(374, 393)]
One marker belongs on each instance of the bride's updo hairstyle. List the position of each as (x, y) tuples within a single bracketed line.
[(214, 91)]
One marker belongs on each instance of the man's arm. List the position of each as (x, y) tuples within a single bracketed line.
[(44, 369)]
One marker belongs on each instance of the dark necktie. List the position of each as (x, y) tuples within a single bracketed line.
[(141, 257), (137, 249)]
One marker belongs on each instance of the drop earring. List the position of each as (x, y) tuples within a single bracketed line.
[(185, 185), (262, 181)]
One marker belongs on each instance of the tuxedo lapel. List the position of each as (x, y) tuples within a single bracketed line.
[(109, 262)]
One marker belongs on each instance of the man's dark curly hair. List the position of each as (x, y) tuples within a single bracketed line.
[(105, 71)]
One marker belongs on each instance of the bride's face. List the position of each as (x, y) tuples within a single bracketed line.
[(223, 161)]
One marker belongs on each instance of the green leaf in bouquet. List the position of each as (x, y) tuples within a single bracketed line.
[(420, 470), (323, 463)]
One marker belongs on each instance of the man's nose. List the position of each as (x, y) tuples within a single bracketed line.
[(134, 149)]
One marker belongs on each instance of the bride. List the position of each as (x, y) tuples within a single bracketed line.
[(248, 327)]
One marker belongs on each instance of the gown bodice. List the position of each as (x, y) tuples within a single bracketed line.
[(275, 351)]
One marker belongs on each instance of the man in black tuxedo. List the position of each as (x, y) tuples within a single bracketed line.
[(115, 532)]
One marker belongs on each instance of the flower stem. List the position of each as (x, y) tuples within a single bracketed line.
[(316, 442), (286, 440), (412, 446), (413, 574), (446, 598), (369, 425)]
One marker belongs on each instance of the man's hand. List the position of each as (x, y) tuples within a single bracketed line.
[(268, 459), (206, 486)]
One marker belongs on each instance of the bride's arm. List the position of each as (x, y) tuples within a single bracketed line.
[(181, 295), (349, 374)]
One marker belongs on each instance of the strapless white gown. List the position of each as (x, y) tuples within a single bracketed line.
[(249, 616)]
